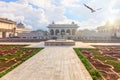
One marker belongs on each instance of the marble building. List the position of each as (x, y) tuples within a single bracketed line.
[(62, 31)]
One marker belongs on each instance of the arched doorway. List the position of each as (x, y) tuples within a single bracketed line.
[(68, 32), (51, 32), (56, 32), (73, 31), (3, 34), (62, 32)]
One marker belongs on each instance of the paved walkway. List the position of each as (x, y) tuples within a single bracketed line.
[(58, 63)]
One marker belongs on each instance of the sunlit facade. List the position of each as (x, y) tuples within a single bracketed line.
[(7, 28)]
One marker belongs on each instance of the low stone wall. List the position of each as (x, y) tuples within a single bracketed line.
[(20, 40)]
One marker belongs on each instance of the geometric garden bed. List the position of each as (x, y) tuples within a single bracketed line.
[(13, 55), (106, 59)]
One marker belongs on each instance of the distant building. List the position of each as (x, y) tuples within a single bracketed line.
[(39, 34), (7, 28), (106, 32), (94, 35), (21, 28), (62, 31), (111, 29)]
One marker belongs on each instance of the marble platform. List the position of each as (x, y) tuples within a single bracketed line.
[(60, 43)]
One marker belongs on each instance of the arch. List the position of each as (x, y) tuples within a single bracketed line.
[(68, 31), (56, 32), (62, 32), (51, 32), (3, 34), (73, 31)]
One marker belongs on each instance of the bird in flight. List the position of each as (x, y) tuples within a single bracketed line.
[(92, 10)]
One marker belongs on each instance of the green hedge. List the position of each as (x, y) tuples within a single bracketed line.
[(115, 64), (24, 59), (108, 60), (101, 57), (96, 75)]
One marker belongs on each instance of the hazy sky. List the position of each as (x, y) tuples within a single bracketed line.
[(37, 14)]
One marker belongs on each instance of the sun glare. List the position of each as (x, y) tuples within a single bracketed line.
[(111, 20)]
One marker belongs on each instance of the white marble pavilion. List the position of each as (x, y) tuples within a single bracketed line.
[(62, 31)]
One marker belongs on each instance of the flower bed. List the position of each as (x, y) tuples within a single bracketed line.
[(13, 55), (94, 73), (103, 58)]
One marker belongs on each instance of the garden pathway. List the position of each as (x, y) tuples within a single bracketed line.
[(52, 63)]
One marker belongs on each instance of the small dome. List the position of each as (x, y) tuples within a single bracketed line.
[(53, 22), (20, 25), (73, 22)]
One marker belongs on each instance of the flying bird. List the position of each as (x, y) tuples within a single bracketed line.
[(92, 10)]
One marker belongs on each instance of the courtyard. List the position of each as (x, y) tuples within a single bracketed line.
[(59, 40), (62, 63)]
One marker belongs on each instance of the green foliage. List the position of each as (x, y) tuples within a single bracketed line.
[(88, 49), (2, 60), (115, 64), (108, 60), (102, 57), (94, 73)]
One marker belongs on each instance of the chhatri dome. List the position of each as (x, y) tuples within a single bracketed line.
[(20, 25)]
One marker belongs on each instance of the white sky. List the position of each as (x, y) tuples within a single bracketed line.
[(37, 14)]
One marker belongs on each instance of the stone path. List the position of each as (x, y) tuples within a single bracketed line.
[(58, 63)]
